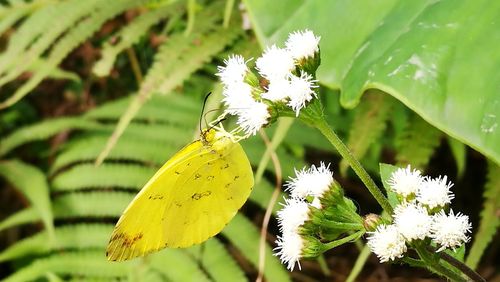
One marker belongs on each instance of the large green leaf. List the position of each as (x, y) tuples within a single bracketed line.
[(440, 58)]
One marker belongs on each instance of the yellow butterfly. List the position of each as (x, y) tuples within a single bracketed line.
[(190, 199)]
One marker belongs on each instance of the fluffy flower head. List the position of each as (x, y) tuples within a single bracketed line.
[(237, 96), (289, 249), (302, 44), (277, 90), (275, 63), (301, 91), (387, 243), (293, 214), (412, 221), (405, 181), (450, 231), (252, 116), (234, 70), (310, 182), (435, 192)]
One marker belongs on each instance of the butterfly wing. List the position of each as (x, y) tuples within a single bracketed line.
[(190, 199)]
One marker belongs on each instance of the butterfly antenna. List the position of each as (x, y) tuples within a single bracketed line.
[(203, 108)]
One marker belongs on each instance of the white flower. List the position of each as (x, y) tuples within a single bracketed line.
[(302, 44), (237, 96), (435, 192), (387, 243), (290, 249), (252, 116), (277, 90), (450, 231), (301, 91), (405, 181), (234, 71), (310, 182), (293, 214), (412, 221), (275, 63)]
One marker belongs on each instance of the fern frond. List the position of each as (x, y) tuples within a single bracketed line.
[(216, 261), (82, 263), (245, 237), (79, 236), (104, 176), (38, 32), (85, 26), (44, 130), (11, 14), (184, 267), (131, 149), (368, 125), (176, 109), (176, 60), (26, 215), (417, 145), (91, 204), (31, 182), (490, 221), (130, 35), (262, 193)]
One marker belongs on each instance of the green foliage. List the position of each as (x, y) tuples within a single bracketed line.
[(368, 125), (46, 32), (32, 183), (417, 143), (175, 61), (427, 57), (489, 217)]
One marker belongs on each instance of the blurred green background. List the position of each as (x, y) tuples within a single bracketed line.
[(402, 82)]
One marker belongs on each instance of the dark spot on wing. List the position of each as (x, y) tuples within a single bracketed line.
[(197, 196), (197, 176), (127, 240), (155, 197), (227, 185), (225, 166), (210, 177), (236, 177), (178, 173)]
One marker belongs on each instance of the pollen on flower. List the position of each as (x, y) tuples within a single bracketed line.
[(252, 116), (302, 44), (289, 249), (435, 192), (301, 91), (405, 181), (310, 182), (277, 90), (237, 96), (275, 63), (450, 231), (387, 243), (293, 214), (412, 221), (234, 70)]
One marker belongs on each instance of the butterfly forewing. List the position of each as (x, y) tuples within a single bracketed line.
[(190, 199)]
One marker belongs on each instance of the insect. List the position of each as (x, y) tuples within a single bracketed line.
[(188, 200)]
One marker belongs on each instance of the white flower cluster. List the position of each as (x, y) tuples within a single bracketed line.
[(308, 182), (419, 215), (277, 66)]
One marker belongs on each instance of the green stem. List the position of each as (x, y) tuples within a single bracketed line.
[(435, 266), (328, 132), (474, 276), (336, 243)]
